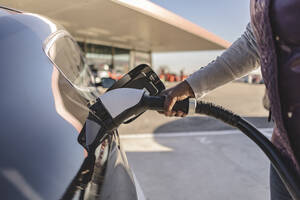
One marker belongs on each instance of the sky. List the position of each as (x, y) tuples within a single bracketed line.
[(225, 18)]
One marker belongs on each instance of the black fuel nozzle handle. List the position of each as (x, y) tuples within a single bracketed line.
[(157, 103)]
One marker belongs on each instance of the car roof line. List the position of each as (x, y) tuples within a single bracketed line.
[(11, 9)]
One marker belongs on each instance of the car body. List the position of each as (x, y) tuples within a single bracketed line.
[(42, 111)]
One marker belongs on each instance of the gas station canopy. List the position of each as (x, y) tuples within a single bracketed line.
[(132, 24)]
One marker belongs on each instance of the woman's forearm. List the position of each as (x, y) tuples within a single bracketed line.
[(238, 60)]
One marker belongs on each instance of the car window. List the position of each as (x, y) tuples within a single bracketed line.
[(64, 52)]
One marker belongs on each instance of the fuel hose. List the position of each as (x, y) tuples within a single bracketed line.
[(287, 175)]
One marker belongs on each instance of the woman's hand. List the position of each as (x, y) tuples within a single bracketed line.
[(174, 94)]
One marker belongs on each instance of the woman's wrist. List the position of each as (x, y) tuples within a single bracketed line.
[(189, 89)]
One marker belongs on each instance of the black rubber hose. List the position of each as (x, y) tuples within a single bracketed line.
[(286, 174)]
